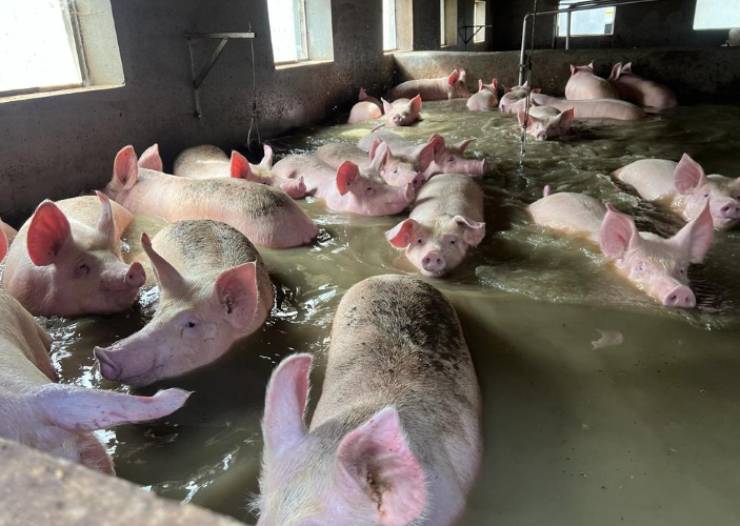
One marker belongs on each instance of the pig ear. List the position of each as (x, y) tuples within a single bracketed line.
[(437, 141), (373, 147), (494, 83), (614, 75), (267, 158), (346, 174), (151, 160), (697, 236), (473, 231), (376, 459), (3, 245), (48, 232), (526, 84), (285, 404), (617, 233), (627, 68), (572, 70), (387, 107), (237, 291), (401, 235), (453, 77), (425, 156), (416, 104), (125, 167), (380, 157), (565, 119), (106, 223), (591, 65), (239, 167), (462, 146), (169, 278), (688, 175), (362, 95), (81, 409)]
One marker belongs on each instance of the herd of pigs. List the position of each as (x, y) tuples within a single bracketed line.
[(395, 437)]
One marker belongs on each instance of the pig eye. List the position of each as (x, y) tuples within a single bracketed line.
[(640, 266), (83, 269), (369, 188), (452, 241), (419, 241), (451, 159)]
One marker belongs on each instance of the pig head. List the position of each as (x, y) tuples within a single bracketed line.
[(402, 112)]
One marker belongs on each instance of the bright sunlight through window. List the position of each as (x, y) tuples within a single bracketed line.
[(390, 35), (479, 19), (37, 46), (589, 22), (717, 14), (288, 30)]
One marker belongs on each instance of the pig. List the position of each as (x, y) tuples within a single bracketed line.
[(431, 158), (60, 419), (9, 232), (366, 109), (684, 188), (445, 222), (66, 260), (443, 88), (380, 161), (345, 189), (486, 99), (640, 91), (266, 215), (546, 122), (402, 112), (511, 102), (214, 290), (592, 109), (395, 438), (655, 265), (584, 84), (210, 162)]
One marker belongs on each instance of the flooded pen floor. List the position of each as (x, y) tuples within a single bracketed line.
[(600, 407)]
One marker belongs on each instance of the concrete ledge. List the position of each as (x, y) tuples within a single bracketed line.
[(696, 75), (37, 490)]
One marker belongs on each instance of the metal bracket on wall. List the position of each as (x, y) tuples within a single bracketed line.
[(462, 32), (199, 76)]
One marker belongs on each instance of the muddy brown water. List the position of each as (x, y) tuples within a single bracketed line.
[(599, 406)]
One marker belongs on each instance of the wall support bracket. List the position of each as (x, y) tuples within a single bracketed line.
[(199, 75)]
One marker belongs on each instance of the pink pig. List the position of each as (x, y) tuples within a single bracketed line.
[(640, 91), (214, 290), (59, 419), (366, 109), (685, 188), (66, 260), (265, 215), (546, 122), (402, 112), (657, 266), (446, 221), (209, 162), (592, 109), (345, 189), (395, 437), (378, 162), (431, 158), (584, 84), (514, 98), (486, 99), (443, 88)]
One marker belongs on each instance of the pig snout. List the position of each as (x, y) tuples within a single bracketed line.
[(680, 296), (730, 210), (108, 366), (124, 279), (433, 262)]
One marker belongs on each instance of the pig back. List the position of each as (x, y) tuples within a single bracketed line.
[(24, 348), (202, 162), (397, 341), (448, 195)]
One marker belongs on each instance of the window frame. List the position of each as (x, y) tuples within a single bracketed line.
[(394, 10), (583, 35), (442, 23), (68, 11)]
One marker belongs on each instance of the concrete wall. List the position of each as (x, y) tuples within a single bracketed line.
[(59, 146), (696, 75), (666, 23)]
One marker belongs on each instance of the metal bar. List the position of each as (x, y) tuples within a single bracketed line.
[(208, 66), (196, 92), (463, 32), (219, 36)]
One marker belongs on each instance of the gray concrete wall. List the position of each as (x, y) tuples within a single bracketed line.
[(696, 75), (37, 489), (666, 23), (59, 146)]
